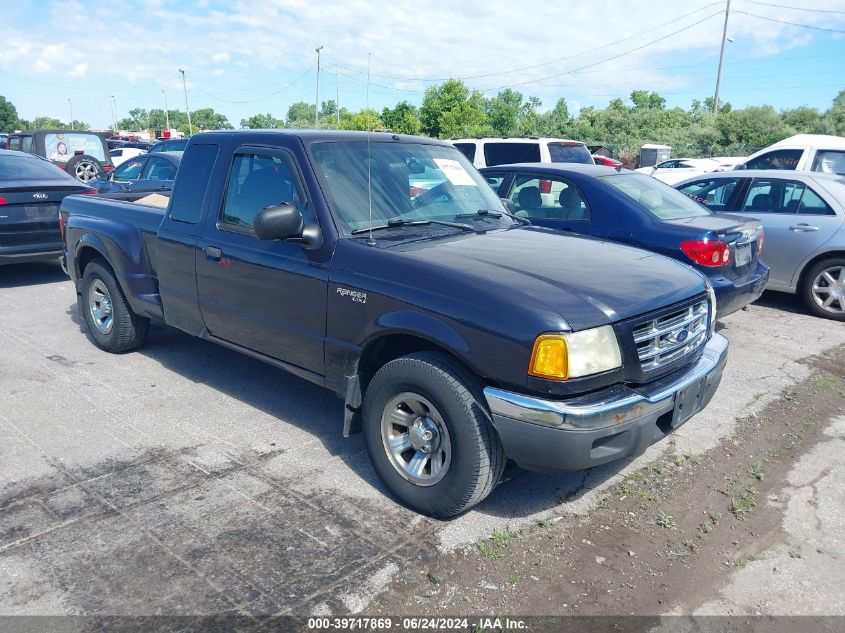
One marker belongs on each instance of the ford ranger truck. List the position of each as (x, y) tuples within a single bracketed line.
[(384, 268)]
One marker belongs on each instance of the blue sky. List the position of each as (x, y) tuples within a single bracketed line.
[(243, 57)]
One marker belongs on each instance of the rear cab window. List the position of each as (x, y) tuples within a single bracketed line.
[(496, 153), (189, 190)]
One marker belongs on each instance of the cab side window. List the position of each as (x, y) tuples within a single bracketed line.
[(784, 196), (257, 181), (776, 159)]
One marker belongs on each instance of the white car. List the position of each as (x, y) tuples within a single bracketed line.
[(122, 154), (802, 152), (678, 169), (489, 151)]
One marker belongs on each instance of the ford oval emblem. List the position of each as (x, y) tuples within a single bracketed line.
[(39, 196), (680, 336)]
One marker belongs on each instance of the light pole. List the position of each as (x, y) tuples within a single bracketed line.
[(337, 95), (70, 105), (187, 107), (317, 101), (721, 59), (166, 112), (113, 114)]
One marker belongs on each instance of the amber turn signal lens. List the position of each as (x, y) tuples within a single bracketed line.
[(549, 358)]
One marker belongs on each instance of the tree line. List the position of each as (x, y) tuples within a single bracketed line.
[(452, 109)]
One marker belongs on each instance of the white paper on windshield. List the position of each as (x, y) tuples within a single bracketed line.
[(455, 172)]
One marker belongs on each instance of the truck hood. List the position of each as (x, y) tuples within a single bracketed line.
[(588, 282)]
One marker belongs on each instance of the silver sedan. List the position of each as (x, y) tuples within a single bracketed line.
[(803, 214)]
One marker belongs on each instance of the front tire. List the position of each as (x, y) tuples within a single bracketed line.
[(429, 436), (112, 324), (823, 289)]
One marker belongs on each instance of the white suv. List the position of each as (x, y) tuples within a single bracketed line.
[(489, 151), (802, 152)]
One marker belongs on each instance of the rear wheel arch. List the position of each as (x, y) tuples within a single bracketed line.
[(808, 265)]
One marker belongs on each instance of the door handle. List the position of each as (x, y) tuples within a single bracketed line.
[(213, 253), (803, 228)]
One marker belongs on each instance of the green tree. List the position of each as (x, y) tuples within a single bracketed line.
[(208, 119), (451, 110), (46, 123), (803, 120), (504, 112), (362, 120), (756, 126), (262, 122), (646, 99), (9, 121), (555, 122), (403, 118), (300, 114)]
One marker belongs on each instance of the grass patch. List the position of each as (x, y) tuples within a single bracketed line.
[(513, 579), (488, 551), (666, 521), (744, 501), (826, 380), (756, 470), (547, 523)]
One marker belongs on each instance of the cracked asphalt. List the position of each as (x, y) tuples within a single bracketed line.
[(188, 479)]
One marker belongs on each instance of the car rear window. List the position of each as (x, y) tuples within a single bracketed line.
[(506, 153), (570, 153), (659, 199), (26, 167)]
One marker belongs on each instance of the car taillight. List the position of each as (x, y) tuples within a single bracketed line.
[(62, 225), (707, 252), (3, 201), (760, 240), (89, 192), (545, 186), (107, 168)]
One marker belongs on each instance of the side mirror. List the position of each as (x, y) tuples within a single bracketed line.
[(509, 205), (278, 222)]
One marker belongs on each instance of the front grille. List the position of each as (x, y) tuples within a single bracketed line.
[(668, 338)]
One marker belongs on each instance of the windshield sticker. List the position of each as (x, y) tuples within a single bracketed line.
[(455, 172)]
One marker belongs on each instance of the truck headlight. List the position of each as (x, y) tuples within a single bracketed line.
[(575, 354), (711, 296)]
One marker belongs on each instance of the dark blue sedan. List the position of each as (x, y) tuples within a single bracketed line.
[(145, 172), (638, 210)]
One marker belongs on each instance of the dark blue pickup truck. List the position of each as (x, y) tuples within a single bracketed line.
[(458, 335)]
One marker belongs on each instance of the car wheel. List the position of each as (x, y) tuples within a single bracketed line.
[(112, 324), (429, 434), (823, 289), (84, 168)]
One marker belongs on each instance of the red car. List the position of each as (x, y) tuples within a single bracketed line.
[(606, 161)]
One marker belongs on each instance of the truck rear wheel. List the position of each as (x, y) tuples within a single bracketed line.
[(112, 324), (429, 435)]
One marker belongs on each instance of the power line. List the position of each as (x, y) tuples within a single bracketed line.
[(540, 65), (803, 26), (783, 6), (617, 56), (264, 98)]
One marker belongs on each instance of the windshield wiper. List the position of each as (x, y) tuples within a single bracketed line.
[(487, 213), (398, 222)]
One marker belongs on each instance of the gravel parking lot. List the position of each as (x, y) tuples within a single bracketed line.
[(188, 479)]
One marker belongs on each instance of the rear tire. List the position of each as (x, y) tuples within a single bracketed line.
[(825, 283), (429, 436), (112, 324)]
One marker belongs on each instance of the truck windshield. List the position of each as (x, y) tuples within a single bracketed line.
[(659, 199), (408, 181)]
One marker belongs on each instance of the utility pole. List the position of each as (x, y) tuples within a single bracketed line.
[(337, 96), (187, 107), (70, 105), (113, 114), (166, 112), (721, 58), (317, 101)]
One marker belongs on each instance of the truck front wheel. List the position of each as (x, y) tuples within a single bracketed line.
[(112, 324), (429, 436)]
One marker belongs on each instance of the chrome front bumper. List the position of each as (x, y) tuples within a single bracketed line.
[(610, 407)]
